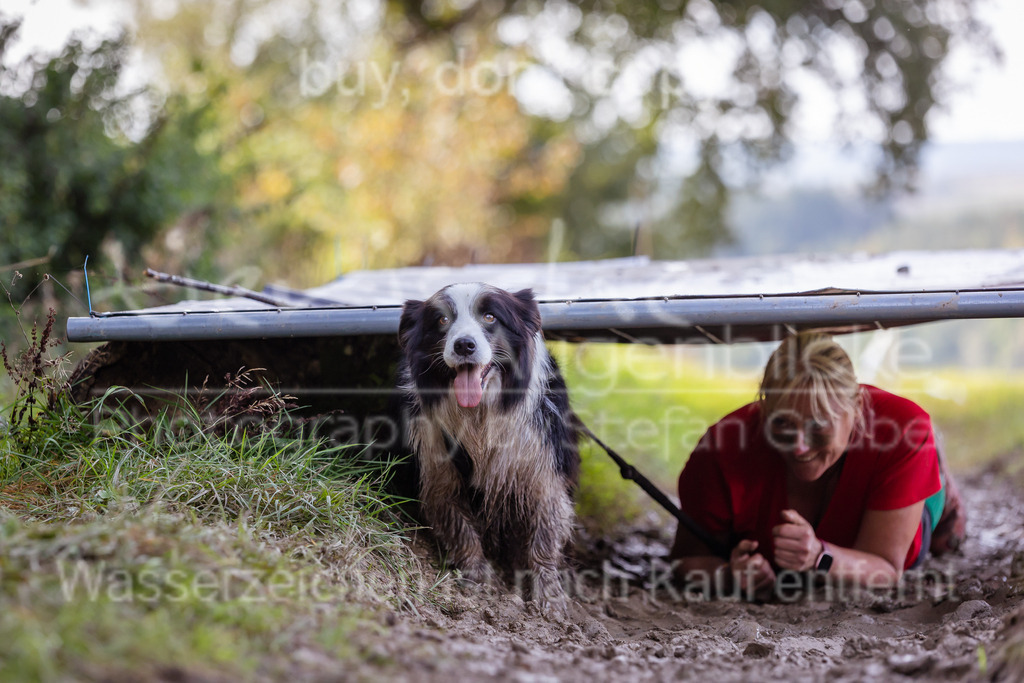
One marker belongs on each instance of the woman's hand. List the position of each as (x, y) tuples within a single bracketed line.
[(796, 545), (750, 571)]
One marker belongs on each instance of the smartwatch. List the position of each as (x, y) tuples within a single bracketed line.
[(824, 561)]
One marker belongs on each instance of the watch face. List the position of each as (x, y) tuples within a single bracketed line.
[(825, 563)]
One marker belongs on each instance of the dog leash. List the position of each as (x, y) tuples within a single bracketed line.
[(629, 472)]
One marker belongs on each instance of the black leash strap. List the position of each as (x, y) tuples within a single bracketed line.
[(629, 472)]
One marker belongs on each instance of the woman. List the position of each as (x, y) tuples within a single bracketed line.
[(821, 473)]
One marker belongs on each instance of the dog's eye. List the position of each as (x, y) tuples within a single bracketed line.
[(443, 320), (489, 318)]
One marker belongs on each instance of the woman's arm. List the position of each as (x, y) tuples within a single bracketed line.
[(878, 554), (692, 554), (876, 558), (746, 570)]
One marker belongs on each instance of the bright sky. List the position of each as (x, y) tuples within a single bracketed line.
[(47, 24), (990, 108)]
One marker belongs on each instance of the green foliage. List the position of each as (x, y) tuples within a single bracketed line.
[(331, 153), (336, 166), (184, 459), (39, 399), (634, 52), (86, 163), (329, 172)]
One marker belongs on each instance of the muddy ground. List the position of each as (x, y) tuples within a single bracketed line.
[(958, 618)]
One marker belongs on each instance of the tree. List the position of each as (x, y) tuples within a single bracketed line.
[(83, 163), (358, 158), (387, 133), (632, 72)]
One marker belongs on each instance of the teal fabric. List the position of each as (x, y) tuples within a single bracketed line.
[(935, 504)]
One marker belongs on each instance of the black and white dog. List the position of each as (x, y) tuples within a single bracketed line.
[(489, 420)]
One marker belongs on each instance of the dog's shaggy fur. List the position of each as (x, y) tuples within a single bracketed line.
[(488, 418)]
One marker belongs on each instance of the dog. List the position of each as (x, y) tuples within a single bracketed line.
[(488, 418)]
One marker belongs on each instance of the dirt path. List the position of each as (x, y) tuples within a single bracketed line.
[(952, 620)]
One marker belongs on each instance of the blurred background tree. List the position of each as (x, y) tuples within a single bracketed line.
[(678, 103), (293, 140), (350, 146), (78, 173)]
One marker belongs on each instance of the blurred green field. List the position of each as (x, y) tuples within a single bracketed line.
[(652, 404), (974, 411)]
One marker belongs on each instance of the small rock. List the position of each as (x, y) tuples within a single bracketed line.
[(594, 629), (911, 664), (970, 589), (511, 600), (860, 646), (884, 605), (1017, 565), (758, 650), (958, 669), (741, 631), (972, 609), (874, 670), (313, 658)]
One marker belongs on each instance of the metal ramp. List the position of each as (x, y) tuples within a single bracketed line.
[(623, 300)]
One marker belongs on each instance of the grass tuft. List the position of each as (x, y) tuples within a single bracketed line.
[(190, 537)]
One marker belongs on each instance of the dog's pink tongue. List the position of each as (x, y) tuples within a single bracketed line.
[(468, 386)]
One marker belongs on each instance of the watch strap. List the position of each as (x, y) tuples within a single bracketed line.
[(824, 561)]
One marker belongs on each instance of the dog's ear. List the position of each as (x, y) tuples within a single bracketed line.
[(412, 313), (529, 312)]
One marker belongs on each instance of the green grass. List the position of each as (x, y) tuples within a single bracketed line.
[(976, 412), (132, 592), (130, 547)]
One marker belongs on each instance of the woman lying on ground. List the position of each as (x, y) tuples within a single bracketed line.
[(820, 474)]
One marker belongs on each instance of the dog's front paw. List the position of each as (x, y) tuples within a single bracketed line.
[(554, 608), (549, 596), (478, 574)]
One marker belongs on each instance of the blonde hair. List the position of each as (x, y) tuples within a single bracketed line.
[(813, 365)]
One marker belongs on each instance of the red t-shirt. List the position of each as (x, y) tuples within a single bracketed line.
[(734, 482)]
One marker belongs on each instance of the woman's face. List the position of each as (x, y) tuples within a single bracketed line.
[(808, 448)]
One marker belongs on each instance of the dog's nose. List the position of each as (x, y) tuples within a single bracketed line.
[(465, 346)]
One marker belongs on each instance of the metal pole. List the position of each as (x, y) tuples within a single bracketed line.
[(663, 314)]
